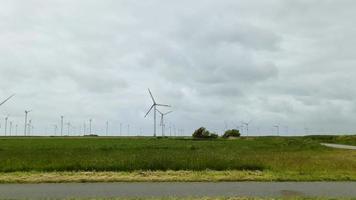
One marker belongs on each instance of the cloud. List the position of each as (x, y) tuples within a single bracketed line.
[(286, 62)]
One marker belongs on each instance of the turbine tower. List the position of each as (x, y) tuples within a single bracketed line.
[(10, 128), (162, 124), (107, 128), (62, 125), (90, 121), (6, 118), (154, 107)]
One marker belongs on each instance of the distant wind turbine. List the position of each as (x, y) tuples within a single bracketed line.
[(90, 121), (62, 118), (6, 119), (162, 124), (154, 107), (247, 124), (10, 128), (107, 128), (26, 115), (55, 129), (277, 128)]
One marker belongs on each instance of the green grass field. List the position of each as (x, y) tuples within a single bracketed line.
[(302, 155)]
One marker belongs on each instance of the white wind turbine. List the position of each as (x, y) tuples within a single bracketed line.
[(154, 107), (162, 124)]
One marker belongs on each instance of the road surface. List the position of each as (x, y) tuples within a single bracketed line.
[(339, 146), (244, 189)]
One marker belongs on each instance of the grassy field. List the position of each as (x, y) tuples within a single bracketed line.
[(270, 157), (344, 139)]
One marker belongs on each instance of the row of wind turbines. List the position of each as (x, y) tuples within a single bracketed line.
[(28, 128), (153, 108)]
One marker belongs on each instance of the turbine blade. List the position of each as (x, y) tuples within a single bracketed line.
[(161, 120), (163, 105), (153, 99), (6, 99), (168, 112), (159, 112), (149, 110)]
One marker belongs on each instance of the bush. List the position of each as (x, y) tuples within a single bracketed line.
[(232, 133), (203, 133)]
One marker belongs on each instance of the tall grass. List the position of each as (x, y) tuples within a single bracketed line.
[(128, 154)]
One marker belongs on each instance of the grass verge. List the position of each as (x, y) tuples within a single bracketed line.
[(172, 176), (225, 198)]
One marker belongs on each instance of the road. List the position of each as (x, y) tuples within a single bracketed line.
[(339, 146), (244, 189)]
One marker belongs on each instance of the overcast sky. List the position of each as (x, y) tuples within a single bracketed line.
[(217, 62)]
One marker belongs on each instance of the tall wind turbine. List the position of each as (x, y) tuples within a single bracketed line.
[(162, 124), (154, 107), (26, 114)]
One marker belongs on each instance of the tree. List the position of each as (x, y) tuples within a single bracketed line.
[(232, 133), (203, 133)]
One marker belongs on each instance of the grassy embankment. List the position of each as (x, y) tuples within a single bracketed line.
[(148, 159)]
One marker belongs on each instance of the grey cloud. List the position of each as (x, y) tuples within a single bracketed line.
[(286, 62)]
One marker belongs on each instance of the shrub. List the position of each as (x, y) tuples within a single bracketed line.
[(214, 135), (203, 133), (232, 133)]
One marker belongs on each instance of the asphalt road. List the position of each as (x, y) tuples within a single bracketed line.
[(339, 146), (245, 189)]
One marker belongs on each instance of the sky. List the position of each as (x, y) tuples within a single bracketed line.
[(217, 62)]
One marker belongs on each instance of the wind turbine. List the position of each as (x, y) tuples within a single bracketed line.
[(154, 107), (30, 127), (247, 125), (277, 128), (120, 129), (68, 126), (62, 117), (6, 118), (90, 121), (162, 120), (107, 128), (26, 114), (55, 129), (10, 128)]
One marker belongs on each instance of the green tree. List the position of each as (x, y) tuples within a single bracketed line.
[(232, 133)]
